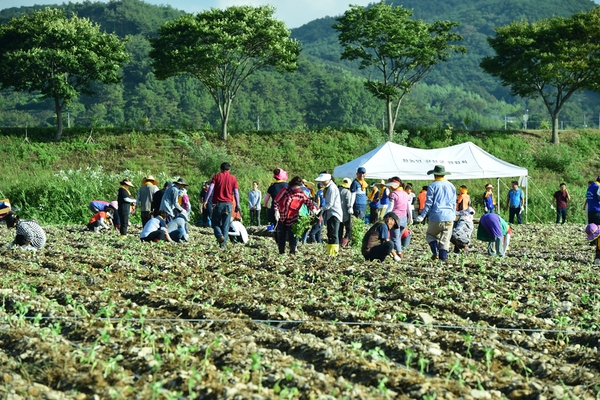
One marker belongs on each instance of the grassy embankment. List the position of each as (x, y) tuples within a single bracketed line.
[(54, 182)]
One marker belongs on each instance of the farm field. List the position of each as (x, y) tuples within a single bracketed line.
[(92, 316)]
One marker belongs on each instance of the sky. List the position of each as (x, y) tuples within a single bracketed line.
[(294, 13)]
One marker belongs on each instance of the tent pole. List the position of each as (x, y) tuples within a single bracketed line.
[(526, 198), (498, 195)]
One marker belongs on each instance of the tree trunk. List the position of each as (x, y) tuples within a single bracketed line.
[(554, 129), (390, 120), (59, 121), (225, 118)]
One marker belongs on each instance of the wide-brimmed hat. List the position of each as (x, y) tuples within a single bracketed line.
[(181, 182), (439, 170), (323, 177), (394, 217), (308, 184), (150, 179), (592, 231), (346, 183), (126, 182), (281, 175)]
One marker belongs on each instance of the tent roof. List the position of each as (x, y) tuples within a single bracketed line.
[(464, 161)]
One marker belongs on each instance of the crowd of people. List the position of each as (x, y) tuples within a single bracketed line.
[(392, 206)]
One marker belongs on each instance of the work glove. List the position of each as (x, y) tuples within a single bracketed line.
[(551, 206), (237, 208), (277, 215), (351, 211), (419, 219)]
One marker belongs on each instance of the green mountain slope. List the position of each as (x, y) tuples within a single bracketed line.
[(323, 92)]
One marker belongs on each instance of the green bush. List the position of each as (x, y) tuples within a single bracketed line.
[(556, 158)]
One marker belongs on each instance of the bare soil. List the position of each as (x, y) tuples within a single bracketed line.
[(92, 316)]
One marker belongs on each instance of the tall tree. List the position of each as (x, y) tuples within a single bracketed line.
[(550, 58), (401, 50), (222, 48), (57, 56)]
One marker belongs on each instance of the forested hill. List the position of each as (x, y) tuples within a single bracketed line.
[(324, 92), (478, 18)]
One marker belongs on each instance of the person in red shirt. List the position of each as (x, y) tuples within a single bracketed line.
[(225, 188), (98, 221), (561, 197), (286, 208)]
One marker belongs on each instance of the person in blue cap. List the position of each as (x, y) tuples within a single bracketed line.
[(358, 189)]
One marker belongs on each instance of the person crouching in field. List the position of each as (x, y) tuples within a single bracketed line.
[(30, 235), (156, 229), (98, 221), (462, 231), (496, 231), (377, 243), (593, 235)]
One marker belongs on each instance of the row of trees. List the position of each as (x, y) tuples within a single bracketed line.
[(216, 52)]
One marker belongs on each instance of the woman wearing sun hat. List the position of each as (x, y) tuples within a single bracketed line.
[(145, 196), (489, 202), (124, 202), (593, 235)]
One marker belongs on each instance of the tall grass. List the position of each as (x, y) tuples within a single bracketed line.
[(54, 182)]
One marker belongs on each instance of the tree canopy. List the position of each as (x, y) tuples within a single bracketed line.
[(400, 49), (223, 48), (57, 56), (550, 58)]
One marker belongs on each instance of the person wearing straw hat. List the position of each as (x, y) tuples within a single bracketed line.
[(332, 212), (593, 235), (440, 207), (124, 202), (145, 195)]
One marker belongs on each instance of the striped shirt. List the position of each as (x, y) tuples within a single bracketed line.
[(33, 233)]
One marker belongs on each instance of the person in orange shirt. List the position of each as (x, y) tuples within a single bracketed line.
[(422, 197), (463, 200)]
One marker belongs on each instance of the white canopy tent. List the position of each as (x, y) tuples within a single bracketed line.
[(463, 161)]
